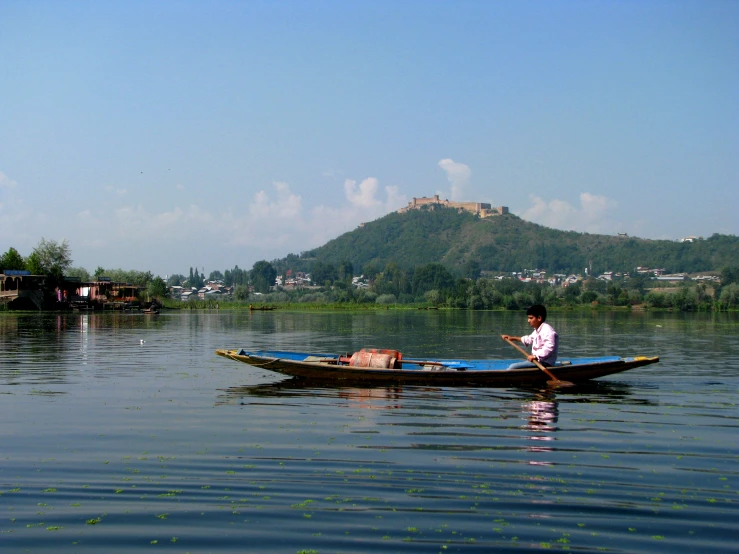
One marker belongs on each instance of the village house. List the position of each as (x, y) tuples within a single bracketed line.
[(296, 281), (360, 282), (673, 277), (712, 278), (21, 290)]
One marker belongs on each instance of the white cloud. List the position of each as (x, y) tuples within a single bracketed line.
[(362, 196), (137, 222), (17, 223), (333, 173), (119, 192), (326, 223), (458, 175), (394, 200), (285, 207), (6, 182), (592, 216), (273, 223)]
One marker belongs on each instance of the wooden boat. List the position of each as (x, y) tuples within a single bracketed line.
[(372, 365)]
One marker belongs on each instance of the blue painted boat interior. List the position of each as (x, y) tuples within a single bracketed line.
[(471, 365)]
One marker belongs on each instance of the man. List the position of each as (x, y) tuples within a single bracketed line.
[(544, 341)]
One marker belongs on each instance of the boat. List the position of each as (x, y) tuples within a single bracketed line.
[(377, 365)]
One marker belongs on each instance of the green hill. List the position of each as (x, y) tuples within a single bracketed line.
[(506, 243)]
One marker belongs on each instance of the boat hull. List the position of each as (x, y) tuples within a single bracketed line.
[(330, 367)]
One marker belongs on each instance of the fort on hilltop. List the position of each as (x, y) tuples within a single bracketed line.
[(480, 208)]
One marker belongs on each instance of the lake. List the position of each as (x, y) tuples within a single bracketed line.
[(125, 432)]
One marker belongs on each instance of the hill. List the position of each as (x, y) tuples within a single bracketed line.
[(506, 243)]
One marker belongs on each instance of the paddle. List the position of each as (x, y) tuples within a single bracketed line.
[(554, 381), (422, 362)]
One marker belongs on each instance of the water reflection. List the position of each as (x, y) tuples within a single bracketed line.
[(85, 330), (370, 398), (541, 413), (367, 399), (541, 405), (646, 459), (605, 392)]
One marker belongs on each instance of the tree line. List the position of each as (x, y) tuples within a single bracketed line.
[(432, 284), (53, 259)]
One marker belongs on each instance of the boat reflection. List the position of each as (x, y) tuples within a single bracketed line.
[(369, 398), (541, 405)]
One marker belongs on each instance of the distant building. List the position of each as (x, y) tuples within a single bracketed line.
[(673, 277), (482, 209), (714, 278), (19, 289), (360, 282), (186, 295)]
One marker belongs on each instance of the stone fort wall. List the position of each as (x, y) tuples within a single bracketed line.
[(482, 209)]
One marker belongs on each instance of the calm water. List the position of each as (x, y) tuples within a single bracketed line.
[(110, 443)]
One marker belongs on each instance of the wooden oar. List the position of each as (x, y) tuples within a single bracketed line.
[(554, 381), (421, 362)]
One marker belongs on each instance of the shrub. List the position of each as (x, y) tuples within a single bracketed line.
[(386, 299)]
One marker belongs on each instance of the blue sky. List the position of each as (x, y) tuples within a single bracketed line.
[(167, 135)]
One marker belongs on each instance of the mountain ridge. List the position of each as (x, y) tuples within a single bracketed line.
[(506, 243)]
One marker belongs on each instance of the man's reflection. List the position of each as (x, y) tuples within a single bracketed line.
[(541, 414)]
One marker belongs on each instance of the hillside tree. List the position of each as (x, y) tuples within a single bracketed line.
[(78, 272), (157, 288), (263, 276), (12, 260), (431, 277), (50, 258)]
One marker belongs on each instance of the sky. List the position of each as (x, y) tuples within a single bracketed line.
[(159, 136)]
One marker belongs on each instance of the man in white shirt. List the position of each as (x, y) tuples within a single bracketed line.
[(544, 341)]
